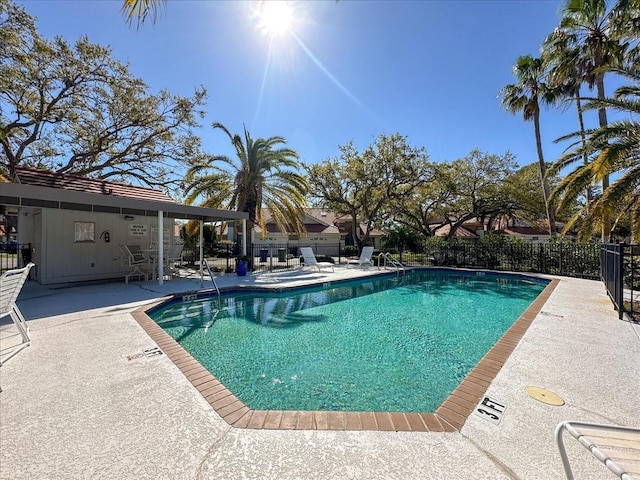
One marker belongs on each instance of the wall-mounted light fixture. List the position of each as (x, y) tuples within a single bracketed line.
[(128, 217)]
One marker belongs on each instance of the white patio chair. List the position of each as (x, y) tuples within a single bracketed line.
[(11, 283), (365, 258), (310, 259), (616, 447), (172, 256), (136, 260)]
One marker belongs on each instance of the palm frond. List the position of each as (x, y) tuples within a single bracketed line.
[(141, 9)]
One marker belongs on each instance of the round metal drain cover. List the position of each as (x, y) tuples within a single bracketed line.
[(544, 396)]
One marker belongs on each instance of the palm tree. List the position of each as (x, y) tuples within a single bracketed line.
[(602, 35), (261, 175), (205, 180), (567, 72), (525, 96), (617, 146)]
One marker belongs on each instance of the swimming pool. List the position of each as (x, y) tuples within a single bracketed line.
[(381, 344)]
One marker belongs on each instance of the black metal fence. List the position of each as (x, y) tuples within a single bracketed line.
[(287, 255), (14, 255), (495, 253), (221, 256), (620, 272), (261, 256), (555, 258)]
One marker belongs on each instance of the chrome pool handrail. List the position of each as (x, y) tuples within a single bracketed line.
[(386, 256), (213, 280)]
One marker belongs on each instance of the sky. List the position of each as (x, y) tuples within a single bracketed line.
[(344, 72)]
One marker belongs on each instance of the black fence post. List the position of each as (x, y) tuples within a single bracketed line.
[(511, 259), (634, 252), (612, 273), (620, 281)]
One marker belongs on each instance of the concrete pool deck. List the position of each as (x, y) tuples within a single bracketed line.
[(83, 401)]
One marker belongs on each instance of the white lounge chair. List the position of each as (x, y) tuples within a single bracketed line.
[(365, 258), (616, 447), (136, 260), (310, 259), (11, 283)]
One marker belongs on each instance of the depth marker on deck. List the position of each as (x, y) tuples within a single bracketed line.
[(150, 352), (490, 410)]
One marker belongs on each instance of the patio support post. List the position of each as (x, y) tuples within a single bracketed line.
[(201, 243), (244, 237), (160, 247)]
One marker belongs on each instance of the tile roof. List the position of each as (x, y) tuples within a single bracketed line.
[(525, 231), (323, 215), (44, 178), (444, 230)]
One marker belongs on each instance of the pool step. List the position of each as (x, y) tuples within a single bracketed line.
[(191, 320)]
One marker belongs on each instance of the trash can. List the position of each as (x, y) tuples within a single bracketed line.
[(263, 255), (282, 254)]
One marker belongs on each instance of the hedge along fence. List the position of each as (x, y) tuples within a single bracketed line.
[(496, 252)]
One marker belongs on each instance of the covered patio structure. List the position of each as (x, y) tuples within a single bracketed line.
[(74, 225)]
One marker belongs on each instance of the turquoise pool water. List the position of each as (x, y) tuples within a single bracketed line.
[(371, 345)]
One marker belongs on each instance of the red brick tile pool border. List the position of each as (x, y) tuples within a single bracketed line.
[(449, 417)]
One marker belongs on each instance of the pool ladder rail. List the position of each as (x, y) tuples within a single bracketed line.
[(205, 265), (385, 257)]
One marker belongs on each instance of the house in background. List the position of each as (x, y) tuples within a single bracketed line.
[(530, 234), (75, 225), (322, 235), (529, 231), (326, 232), (471, 228), (462, 231), (345, 225), (475, 228)]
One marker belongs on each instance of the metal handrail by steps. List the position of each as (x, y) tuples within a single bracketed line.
[(213, 280), (386, 257)]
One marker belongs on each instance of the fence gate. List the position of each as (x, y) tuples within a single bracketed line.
[(14, 255)]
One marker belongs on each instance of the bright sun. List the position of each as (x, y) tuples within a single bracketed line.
[(274, 16)]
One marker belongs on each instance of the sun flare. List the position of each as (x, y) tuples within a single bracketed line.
[(275, 17)]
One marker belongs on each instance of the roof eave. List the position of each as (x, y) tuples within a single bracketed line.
[(46, 197)]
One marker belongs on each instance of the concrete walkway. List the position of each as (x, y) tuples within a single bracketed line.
[(73, 405)]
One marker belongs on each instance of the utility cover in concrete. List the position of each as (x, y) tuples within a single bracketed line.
[(544, 396)]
